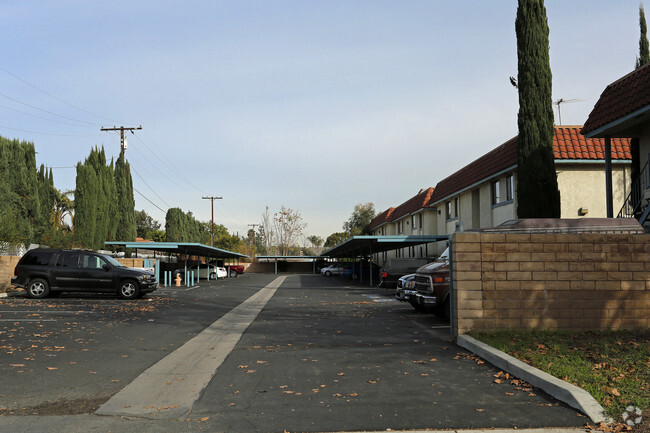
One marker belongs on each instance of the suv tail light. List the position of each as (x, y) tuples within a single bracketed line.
[(384, 274)]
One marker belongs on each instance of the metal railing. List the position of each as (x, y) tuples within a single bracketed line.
[(633, 205)]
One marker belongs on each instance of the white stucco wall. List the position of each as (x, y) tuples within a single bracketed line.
[(583, 186)]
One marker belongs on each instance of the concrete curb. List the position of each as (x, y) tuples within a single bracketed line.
[(570, 394), (10, 294)]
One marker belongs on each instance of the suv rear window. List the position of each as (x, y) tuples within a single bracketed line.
[(37, 258)]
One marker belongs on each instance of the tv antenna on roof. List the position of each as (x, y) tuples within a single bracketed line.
[(564, 101)]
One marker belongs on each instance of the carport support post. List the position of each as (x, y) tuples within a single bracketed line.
[(187, 280), (276, 265), (361, 268), (370, 266), (452, 328)]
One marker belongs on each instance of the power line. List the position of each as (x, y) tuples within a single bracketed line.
[(54, 97), (170, 166), (48, 133), (40, 117), (145, 182), (146, 198), (48, 112)]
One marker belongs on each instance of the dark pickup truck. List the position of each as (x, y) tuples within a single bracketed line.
[(42, 271), (432, 286)]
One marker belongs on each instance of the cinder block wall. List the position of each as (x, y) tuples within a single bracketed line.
[(7, 265), (551, 281)]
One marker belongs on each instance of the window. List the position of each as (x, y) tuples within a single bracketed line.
[(496, 193), (400, 226), (452, 209), (37, 258), (91, 261), (510, 188), (69, 260), (413, 223), (420, 218)]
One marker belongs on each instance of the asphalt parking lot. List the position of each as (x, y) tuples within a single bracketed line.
[(324, 354)]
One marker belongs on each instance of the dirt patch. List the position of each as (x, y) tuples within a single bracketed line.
[(59, 407)]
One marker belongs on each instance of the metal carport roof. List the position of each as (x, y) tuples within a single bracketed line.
[(368, 245), (194, 249)]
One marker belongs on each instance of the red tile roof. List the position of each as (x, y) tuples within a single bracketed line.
[(622, 97), (381, 218), (492, 162), (568, 144), (420, 201)]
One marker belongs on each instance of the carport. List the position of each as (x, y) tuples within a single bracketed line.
[(359, 247), (296, 258), (185, 248)]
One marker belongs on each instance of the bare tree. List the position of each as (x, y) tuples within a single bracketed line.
[(288, 226), (267, 232)]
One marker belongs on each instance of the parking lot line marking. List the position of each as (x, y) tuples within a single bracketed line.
[(47, 312), (169, 388), (27, 320)]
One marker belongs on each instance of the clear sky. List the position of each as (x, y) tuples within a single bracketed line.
[(314, 105)]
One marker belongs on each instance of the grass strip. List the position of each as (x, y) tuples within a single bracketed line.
[(613, 366)]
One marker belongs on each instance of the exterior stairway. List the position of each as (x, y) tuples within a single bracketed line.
[(637, 203)]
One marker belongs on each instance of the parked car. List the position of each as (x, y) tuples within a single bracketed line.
[(43, 271), (394, 268), (209, 271), (432, 285), (334, 269), (204, 272), (234, 270)]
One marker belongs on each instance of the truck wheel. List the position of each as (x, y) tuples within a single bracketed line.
[(129, 289), (233, 273), (446, 310), (38, 288)]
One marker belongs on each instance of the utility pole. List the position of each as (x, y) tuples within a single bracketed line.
[(212, 199), (122, 139)]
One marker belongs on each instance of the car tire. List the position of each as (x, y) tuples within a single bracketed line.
[(213, 276), (129, 289), (233, 273), (38, 288), (328, 274)]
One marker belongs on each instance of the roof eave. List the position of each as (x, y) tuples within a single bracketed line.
[(602, 131)]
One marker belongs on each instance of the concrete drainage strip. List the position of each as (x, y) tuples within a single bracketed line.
[(570, 394)]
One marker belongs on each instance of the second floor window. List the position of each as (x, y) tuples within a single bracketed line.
[(496, 192), (510, 188)]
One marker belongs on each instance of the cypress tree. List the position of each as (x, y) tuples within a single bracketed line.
[(537, 191), (46, 193), (19, 195), (95, 201), (644, 47), (126, 227)]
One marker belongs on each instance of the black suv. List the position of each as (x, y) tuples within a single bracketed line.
[(42, 271)]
